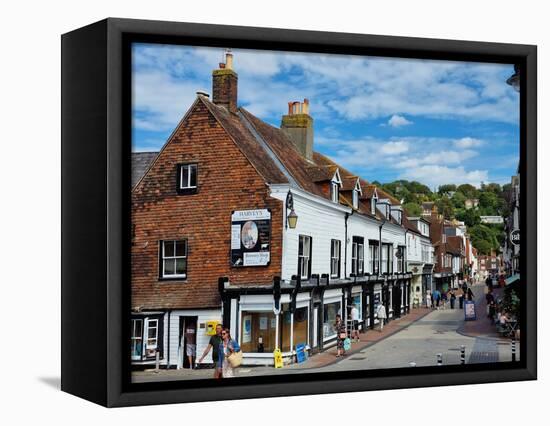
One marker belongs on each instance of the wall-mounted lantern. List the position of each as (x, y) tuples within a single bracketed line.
[(292, 217)]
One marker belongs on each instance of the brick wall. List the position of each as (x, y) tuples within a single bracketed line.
[(226, 182)]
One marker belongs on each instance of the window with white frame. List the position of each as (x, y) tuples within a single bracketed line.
[(173, 259), (304, 256), (334, 191), (355, 199), (151, 344), (373, 205), (335, 258), (373, 257), (187, 178), (358, 256), (136, 339)]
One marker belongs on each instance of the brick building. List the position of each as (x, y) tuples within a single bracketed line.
[(213, 239)]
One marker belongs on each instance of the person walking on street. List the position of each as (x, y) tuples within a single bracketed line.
[(214, 345), (453, 299), (470, 294), (355, 322), (191, 347), (341, 335), (489, 283), (381, 313), (444, 299), (227, 347)]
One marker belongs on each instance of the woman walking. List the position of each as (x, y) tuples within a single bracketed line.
[(227, 347), (340, 336)]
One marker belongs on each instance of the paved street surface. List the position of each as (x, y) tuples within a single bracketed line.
[(417, 337)]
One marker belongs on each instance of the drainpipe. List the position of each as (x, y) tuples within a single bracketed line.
[(168, 345)]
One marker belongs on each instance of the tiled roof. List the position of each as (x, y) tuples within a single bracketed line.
[(247, 143), (454, 245), (140, 163)]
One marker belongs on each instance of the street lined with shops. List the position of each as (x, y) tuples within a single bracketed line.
[(416, 338)]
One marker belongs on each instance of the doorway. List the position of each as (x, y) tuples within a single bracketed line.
[(187, 350)]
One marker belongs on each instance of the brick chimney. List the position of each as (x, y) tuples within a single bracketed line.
[(224, 84), (298, 126)]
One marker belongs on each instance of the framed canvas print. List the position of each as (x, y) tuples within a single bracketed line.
[(252, 212)]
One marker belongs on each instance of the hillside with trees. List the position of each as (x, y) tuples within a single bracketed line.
[(451, 201)]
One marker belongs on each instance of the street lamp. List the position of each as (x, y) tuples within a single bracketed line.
[(292, 217), (513, 80)]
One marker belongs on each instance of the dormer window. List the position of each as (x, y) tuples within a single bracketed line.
[(373, 202), (187, 178), (335, 184), (334, 192), (355, 194)]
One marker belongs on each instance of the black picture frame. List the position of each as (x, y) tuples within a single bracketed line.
[(95, 210)]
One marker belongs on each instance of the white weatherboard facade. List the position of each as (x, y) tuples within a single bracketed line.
[(318, 218)]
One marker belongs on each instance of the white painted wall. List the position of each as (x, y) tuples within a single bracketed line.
[(202, 338), (318, 218)]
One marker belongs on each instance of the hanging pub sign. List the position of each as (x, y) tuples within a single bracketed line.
[(514, 237), (250, 237)]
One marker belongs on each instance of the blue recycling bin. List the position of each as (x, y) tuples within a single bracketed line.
[(301, 353)]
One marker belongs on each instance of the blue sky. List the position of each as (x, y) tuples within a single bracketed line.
[(435, 122)]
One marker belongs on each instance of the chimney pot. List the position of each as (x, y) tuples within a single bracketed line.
[(224, 84)]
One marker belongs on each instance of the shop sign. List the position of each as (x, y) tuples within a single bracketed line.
[(250, 237), (469, 311), (514, 237)]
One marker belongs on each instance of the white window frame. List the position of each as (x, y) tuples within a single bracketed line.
[(355, 199), (148, 327), (133, 337), (173, 258), (187, 185), (334, 191), (335, 246), (304, 259)]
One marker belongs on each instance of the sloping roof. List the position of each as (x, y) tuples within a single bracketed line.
[(247, 143), (349, 183), (454, 245), (140, 163)]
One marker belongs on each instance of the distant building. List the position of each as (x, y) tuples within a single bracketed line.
[(492, 220), (428, 208), (471, 203)]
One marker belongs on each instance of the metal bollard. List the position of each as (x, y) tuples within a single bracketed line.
[(462, 354), (513, 349), (439, 359), (157, 362)]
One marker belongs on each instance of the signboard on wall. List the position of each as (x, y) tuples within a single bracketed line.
[(247, 329), (250, 237)]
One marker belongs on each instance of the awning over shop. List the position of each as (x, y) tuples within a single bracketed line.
[(511, 279)]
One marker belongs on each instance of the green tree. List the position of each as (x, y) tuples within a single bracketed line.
[(468, 190), (445, 207), (470, 217), (458, 200), (445, 189), (413, 209)]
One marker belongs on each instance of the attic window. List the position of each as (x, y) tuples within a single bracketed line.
[(187, 178), (334, 191), (355, 199), (373, 205), (335, 187)]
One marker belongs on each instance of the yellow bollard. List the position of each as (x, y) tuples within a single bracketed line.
[(278, 358)]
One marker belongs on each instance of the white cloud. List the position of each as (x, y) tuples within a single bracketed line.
[(434, 175), (394, 148), (468, 143), (398, 121)]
